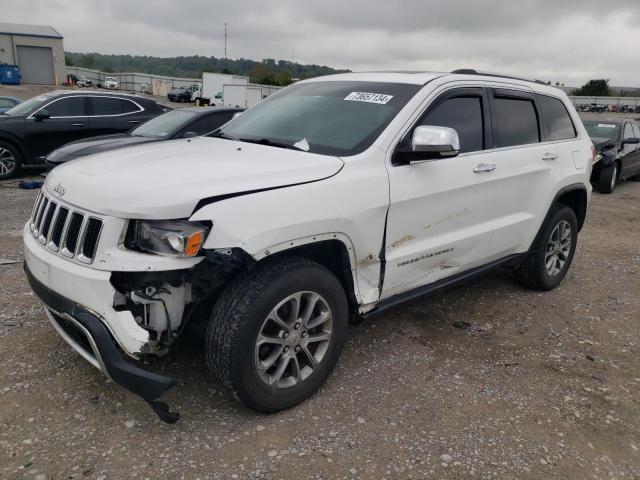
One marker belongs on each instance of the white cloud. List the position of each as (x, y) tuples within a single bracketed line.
[(569, 40)]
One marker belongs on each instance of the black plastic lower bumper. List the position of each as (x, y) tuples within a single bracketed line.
[(148, 385)]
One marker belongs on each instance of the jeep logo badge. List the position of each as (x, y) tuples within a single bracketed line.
[(60, 189)]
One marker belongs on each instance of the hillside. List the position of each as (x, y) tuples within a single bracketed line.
[(268, 71)]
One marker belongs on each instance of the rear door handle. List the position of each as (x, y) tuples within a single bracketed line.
[(134, 122), (78, 124), (550, 156), (484, 167)]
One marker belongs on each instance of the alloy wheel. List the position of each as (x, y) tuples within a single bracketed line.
[(293, 339), (7, 161), (558, 248)]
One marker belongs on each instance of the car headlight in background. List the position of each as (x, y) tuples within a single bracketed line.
[(176, 238)]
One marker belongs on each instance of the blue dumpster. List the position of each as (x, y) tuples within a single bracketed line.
[(10, 75)]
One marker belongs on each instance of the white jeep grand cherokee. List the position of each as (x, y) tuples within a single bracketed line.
[(334, 199)]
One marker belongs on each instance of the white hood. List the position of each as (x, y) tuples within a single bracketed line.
[(165, 180)]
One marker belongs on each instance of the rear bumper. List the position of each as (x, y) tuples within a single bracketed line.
[(92, 340)]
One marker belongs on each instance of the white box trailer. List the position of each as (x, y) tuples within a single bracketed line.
[(246, 96), (212, 87)]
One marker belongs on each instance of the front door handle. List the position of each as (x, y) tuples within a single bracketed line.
[(550, 156), (134, 122), (78, 124), (484, 167)]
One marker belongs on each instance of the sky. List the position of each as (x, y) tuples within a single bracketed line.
[(570, 41)]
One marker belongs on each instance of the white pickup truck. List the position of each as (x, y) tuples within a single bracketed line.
[(332, 200)]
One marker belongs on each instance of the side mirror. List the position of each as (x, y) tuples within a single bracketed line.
[(42, 115), (630, 141), (189, 134), (429, 143)]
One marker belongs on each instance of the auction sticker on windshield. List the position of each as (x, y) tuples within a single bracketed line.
[(368, 97)]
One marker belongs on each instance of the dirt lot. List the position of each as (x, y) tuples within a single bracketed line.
[(541, 385)]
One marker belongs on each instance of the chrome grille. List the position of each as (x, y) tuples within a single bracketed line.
[(71, 233)]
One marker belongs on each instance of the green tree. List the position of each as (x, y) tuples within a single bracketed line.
[(68, 60), (594, 88), (283, 78)]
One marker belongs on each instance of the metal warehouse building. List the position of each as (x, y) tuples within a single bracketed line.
[(36, 49)]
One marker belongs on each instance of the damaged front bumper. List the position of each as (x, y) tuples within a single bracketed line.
[(79, 303), (91, 339)]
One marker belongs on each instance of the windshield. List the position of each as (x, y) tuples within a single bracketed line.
[(164, 125), (610, 131), (27, 107), (329, 118)]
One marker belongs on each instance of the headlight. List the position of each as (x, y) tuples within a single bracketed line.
[(598, 158), (176, 238)]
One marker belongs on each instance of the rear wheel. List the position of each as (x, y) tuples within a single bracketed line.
[(276, 333), (607, 178), (552, 252), (10, 160)]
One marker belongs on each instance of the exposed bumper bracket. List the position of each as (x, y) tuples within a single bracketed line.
[(148, 385)]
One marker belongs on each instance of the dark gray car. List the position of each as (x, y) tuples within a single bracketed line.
[(182, 123)]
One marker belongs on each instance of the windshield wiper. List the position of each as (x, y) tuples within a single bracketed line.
[(220, 134), (269, 143)]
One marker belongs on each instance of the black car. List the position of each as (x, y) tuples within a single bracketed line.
[(29, 131), (180, 95), (182, 123), (617, 145)]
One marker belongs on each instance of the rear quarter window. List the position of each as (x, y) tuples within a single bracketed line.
[(556, 121)]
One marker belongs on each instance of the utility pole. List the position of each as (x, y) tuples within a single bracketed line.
[(225, 40)]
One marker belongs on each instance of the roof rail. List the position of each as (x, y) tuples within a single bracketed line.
[(471, 71)]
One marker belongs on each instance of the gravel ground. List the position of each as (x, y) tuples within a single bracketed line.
[(486, 380)]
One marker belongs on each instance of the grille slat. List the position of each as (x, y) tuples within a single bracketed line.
[(40, 214), (58, 228), (90, 240), (46, 223), (35, 209), (71, 233), (71, 242)]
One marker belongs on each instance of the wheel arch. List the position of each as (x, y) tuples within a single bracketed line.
[(575, 197), (333, 251), (17, 144)]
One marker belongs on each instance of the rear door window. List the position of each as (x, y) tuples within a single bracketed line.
[(67, 107), (516, 122), (555, 119), (104, 106), (636, 131), (464, 115)]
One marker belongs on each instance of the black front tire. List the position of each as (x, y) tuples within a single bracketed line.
[(607, 178), (10, 161), (237, 319), (532, 272)]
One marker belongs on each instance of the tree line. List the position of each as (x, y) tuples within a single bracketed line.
[(268, 72)]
